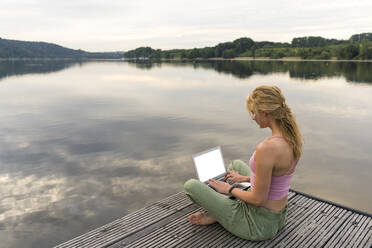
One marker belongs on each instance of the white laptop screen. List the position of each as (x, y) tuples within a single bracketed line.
[(209, 164)]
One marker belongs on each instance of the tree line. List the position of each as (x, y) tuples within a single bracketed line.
[(358, 46)]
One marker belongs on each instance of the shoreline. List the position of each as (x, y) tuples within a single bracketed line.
[(290, 59), (57, 59)]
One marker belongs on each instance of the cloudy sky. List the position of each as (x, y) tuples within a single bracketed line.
[(113, 25)]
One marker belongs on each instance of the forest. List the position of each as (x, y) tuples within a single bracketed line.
[(357, 47)]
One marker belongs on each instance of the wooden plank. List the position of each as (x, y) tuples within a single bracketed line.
[(144, 235), (173, 224), (164, 236), (298, 202), (208, 236), (229, 241), (131, 223), (326, 226), (171, 234), (123, 227), (188, 232), (308, 227), (296, 209), (365, 226), (332, 203), (176, 224), (339, 237), (291, 194), (175, 234), (367, 241), (142, 225), (351, 232), (310, 222), (299, 226), (301, 203), (167, 237), (300, 212)]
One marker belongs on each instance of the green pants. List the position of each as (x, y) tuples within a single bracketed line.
[(236, 216)]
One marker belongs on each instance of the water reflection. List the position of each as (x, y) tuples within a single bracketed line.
[(357, 72), (91, 143), (351, 71), (19, 67)]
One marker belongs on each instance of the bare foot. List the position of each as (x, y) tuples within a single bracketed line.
[(201, 218)]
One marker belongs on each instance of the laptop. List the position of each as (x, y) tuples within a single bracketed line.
[(210, 164)]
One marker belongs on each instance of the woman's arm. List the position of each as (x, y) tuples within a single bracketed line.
[(264, 166)]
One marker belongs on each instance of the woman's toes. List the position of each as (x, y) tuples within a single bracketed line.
[(194, 218)]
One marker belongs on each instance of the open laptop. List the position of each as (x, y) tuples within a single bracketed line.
[(210, 164)]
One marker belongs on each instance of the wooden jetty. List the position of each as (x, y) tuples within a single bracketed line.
[(311, 222)]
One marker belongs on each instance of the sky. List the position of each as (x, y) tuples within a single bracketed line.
[(114, 25)]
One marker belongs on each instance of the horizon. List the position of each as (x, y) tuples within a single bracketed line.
[(93, 26)]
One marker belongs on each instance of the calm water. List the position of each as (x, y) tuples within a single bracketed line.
[(82, 144)]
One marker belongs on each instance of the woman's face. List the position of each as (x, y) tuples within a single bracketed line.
[(261, 118)]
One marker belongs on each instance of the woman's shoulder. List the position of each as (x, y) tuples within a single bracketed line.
[(270, 143), (266, 148), (272, 146), (265, 155)]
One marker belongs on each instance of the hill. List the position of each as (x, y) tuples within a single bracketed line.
[(32, 49)]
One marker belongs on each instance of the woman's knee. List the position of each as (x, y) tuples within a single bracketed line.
[(191, 185), (236, 164), (240, 166)]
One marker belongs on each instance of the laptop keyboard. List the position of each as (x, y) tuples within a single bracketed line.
[(230, 181)]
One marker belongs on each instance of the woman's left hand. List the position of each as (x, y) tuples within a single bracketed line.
[(220, 186)]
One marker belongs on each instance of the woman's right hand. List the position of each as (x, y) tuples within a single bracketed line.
[(234, 176)]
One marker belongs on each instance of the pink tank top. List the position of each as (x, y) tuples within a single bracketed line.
[(279, 186)]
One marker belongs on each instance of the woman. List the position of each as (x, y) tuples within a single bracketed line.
[(259, 213)]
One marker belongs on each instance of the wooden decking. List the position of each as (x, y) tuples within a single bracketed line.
[(311, 222)]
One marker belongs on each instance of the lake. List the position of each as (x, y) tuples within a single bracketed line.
[(84, 143)]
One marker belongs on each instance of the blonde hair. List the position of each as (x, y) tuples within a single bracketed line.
[(270, 99)]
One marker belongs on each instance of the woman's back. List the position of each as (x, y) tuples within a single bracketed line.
[(285, 164), (282, 171)]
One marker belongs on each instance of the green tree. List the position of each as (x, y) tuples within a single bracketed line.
[(243, 44), (365, 50), (156, 54), (193, 54), (218, 51), (228, 54), (361, 37), (348, 51), (207, 52), (326, 54)]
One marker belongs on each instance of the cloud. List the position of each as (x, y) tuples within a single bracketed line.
[(122, 25)]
